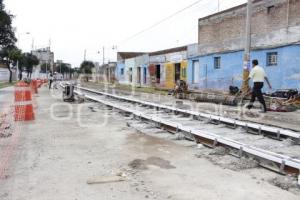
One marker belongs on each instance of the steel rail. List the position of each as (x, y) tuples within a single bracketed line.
[(233, 122), (285, 164)]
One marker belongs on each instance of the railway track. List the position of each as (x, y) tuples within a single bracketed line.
[(254, 128), (275, 148)]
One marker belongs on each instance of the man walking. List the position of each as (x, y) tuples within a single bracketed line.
[(50, 80), (258, 76)]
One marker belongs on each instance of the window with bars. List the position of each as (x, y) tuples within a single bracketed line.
[(217, 62), (272, 58)]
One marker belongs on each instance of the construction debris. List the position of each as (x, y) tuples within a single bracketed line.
[(283, 105), (285, 182), (287, 94), (140, 164), (221, 156), (5, 127)]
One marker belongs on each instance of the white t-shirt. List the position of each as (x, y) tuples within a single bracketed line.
[(257, 74)]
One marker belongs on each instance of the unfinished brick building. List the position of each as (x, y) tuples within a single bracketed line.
[(275, 42)]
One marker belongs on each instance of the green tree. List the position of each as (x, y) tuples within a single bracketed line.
[(86, 68), (7, 39), (63, 68), (15, 55), (28, 61), (45, 68)]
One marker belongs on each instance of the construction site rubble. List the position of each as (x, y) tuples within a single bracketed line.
[(5, 127)]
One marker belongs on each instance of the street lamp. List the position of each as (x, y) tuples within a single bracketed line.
[(114, 47), (18, 45)]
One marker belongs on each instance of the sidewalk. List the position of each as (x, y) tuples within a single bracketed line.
[(54, 156)]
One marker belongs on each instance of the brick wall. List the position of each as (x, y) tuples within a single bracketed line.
[(274, 23)]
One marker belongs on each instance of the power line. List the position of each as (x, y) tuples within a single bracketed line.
[(161, 21)]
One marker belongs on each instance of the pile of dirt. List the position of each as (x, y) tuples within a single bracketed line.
[(285, 182), (220, 156), (219, 151), (140, 164)]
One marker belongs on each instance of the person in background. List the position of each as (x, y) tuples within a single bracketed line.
[(258, 77), (50, 80)]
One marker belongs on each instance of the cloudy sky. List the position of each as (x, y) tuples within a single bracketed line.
[(71, 26)]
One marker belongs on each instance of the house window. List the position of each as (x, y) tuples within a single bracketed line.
[(272, 58), (122, 71), (217, 62)]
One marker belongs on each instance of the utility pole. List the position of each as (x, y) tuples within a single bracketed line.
[(246, 65), (103, 54), (32, 45), (84, 57), (46, 70), (60, 69)]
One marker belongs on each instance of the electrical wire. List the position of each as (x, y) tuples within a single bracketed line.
[(161, 21)]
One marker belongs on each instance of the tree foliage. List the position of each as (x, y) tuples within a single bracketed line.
[(45, 68), (63, 68), (7, 39), (86, 67), (28, 61), (7, 35)]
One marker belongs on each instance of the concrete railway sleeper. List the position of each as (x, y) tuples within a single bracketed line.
[(275, 161), (254, 128)]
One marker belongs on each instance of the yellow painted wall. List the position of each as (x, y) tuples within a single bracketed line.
[(169, 72), (183, 72)]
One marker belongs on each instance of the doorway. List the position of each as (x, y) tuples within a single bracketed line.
[(157, 73), (145, 75), (177, 72), (130, 75), (139, 75)]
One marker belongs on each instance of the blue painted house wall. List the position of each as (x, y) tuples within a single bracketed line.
[(286, 74), (119, 75)]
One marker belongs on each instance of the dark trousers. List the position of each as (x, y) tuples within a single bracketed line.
[(256, 92), (50, 83)]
